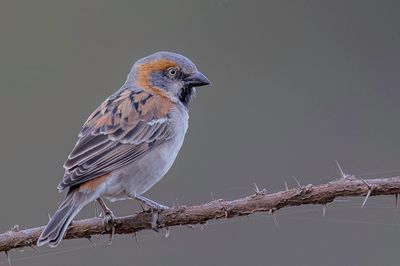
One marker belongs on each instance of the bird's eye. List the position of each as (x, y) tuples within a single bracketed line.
[(172, 72)]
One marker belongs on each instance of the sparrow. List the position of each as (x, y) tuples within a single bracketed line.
[(130, 141)]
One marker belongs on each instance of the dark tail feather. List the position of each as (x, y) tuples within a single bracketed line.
[(54, 231)]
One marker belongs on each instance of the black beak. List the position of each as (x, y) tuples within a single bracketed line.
[(196, 79)]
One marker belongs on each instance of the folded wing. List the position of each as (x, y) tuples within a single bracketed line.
[(124, 128)]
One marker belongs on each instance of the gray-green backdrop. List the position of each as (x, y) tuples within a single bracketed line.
[(296, 86)]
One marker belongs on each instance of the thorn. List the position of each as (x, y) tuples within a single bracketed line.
[(212, 196), (297, 181), (342, 174), (49, 216), (34, 248), (15, 228), (370, 188), (258, 191), (366, 198), (275, 220), (167, 231), (365, 182), (8, 257), (177, 203), (91, 241), (272, 212), (191, 226), (286, 186), (256, 188), (136, 237), (324, 210)]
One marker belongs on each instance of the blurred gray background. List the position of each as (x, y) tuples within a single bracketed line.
[(296, 86)]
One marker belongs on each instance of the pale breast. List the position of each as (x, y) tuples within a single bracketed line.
[(141, 175)]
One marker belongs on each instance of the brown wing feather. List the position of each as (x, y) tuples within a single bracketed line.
[(122, 129)]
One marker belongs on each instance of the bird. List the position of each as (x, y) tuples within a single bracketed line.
[(130, 141)]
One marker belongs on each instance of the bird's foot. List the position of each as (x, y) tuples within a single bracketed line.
[(155, 209), (109, 217), (155, 206)]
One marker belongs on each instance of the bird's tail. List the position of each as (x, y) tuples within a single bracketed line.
[(54, 231)]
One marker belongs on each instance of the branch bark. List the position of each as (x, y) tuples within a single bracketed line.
[(261, 201)]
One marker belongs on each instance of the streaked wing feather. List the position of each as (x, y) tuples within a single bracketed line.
[(125, 127)]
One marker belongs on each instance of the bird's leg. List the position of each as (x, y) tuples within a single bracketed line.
[(155, 209), (108, 214), (107, 211)]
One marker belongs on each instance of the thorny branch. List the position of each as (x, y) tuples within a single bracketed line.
[(261, 201)]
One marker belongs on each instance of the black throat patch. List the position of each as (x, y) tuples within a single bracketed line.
[(186, 95)]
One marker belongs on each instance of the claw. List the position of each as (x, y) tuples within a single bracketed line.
[(154, 221), (109, 221), (141, 206), (111, 235)]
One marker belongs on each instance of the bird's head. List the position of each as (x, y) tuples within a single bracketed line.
[(168, 73)]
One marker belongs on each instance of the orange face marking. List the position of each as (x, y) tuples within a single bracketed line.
[(146, 69), (92, 185)]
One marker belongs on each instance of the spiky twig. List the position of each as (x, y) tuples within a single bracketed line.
[(216, 209)]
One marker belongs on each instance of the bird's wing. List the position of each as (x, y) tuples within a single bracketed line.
[(123, 128)]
